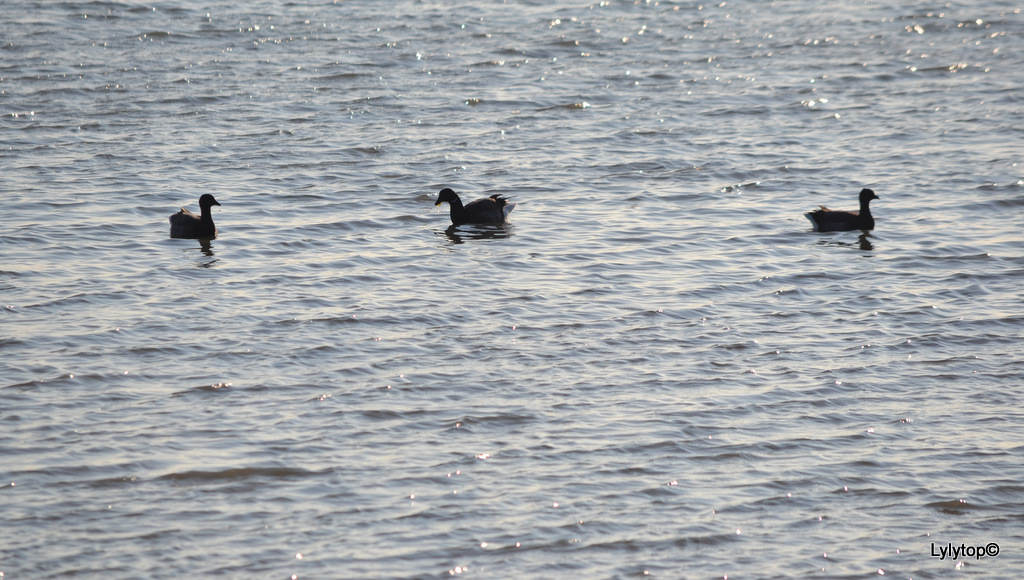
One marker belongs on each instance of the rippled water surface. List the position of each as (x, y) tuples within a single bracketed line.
[(656, 368)]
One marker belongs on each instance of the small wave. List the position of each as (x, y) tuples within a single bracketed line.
[(244, 473), (203, 388), (952, 507)]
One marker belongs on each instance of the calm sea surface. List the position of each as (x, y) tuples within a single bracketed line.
[(656, 368)]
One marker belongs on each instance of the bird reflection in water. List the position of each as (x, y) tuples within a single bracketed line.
[(460, 234), (206, 247), (863, 243)]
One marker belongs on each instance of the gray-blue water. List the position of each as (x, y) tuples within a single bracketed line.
[(656, 368)]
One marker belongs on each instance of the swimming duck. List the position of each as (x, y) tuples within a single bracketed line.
[(186, 224), (826, 220), (489, 210)]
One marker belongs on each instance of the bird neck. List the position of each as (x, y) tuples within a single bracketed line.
[(456, 208)]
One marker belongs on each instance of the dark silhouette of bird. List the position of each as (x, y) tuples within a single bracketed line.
[(827, 220), (186, 224), (488, 210)]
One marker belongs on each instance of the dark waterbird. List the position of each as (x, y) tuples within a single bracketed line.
[(826, 220), (489, 210), (186, 224)]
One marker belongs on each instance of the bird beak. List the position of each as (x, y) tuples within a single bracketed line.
[(437, 203)]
